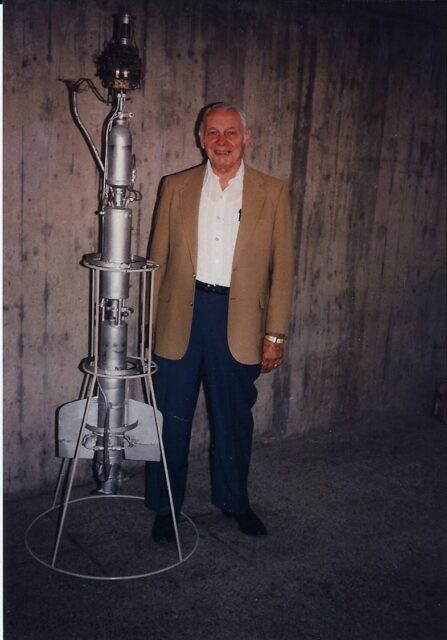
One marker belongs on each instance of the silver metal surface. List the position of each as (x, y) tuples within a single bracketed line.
[(117, 234), (110, 330), (115, 285), (106, 425), (137, 263), (114, 289), (119, 149), (113, 349), (84, 131), (142, 442)]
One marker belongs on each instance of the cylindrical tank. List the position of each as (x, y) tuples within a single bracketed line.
[(115, 391), (117, 235), (115, 285), (111, 428), (119, 153), (116, 247), (113, 346)]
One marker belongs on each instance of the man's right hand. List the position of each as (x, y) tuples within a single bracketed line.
[(272, 355)]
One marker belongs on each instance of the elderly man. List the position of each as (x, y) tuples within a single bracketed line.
[(223, 239)]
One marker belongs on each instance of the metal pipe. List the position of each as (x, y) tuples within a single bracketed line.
[(72, 472), (83, 129)]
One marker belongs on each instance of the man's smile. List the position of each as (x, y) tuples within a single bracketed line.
[(224, 139)]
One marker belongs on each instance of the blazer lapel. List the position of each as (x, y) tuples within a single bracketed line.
[(189, 197), (253, 198)]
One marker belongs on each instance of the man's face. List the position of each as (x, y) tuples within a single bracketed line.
[(224, 140)]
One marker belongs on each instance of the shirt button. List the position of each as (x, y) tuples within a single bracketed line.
[(216, 238)]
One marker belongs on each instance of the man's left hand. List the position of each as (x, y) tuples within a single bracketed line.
[(272, 355)]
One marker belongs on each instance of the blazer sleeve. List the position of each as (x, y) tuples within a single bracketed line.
[(282, 267), (160, 244)]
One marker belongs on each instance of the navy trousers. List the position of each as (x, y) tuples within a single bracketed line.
[(230, 395)]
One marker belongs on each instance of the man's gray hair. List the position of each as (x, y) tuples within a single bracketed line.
[(223, 106)]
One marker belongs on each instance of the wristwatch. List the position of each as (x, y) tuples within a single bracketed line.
[(274, 339)]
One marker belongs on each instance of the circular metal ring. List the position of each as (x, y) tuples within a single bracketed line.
[(136, 264), (134, 369), (112, 578)]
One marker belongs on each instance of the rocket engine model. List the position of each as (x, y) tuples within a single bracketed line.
[(110, 427)]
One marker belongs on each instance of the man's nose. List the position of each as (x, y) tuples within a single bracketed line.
[(221, 139)]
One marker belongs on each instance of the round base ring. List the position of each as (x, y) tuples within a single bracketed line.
[(95, 577)]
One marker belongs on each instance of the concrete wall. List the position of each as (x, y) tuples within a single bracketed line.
[(345, 103)]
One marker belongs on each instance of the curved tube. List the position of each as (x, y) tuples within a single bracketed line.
[(82, 128)]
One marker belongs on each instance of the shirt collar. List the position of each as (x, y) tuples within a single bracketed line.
[(210, 175)]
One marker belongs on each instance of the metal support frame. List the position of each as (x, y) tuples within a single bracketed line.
[(140, 367), (108, 578), (108, 366)]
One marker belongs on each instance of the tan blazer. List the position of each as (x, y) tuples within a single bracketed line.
[(262, 273)]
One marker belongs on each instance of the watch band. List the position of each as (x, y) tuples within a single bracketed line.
[(274, 339)]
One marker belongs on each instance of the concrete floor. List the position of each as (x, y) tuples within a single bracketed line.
[(355, 551)]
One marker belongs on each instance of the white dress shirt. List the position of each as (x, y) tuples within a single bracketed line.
[(220, 213)]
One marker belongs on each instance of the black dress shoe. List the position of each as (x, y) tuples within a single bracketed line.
[(163, 528), (248, 522)]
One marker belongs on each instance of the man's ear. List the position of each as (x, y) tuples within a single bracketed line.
[(247, 137), (201, 139)]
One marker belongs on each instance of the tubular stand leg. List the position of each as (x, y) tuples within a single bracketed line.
[(66, 462), (148, 380), (72, 472), (62, 473)]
